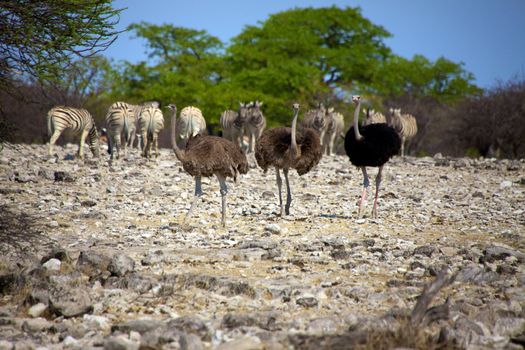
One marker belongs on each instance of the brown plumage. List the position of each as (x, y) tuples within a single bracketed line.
[(206, 156), (285, 148)]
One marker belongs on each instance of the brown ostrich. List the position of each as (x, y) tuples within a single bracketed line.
[(285, 148), (207, 155)]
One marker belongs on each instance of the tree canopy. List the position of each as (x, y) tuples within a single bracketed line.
[(40, 38), (304, 55)]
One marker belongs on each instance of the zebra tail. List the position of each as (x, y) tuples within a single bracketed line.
[(150, 127), (126, 129)]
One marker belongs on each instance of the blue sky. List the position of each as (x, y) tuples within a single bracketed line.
[(488, 36)]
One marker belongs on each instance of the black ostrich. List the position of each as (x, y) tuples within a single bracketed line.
[(370, 145)]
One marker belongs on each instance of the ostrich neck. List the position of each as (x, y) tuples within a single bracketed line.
[(293, 145), (358, 136), (178, 152)]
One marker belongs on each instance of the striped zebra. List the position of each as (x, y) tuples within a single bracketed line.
[(79, 121), (334, 126), (151, 122), (374, 117), (137, 133), (233, 123), (255, 124), (190, 123), (120, 120), (228, 117), (405, 125), (316, 119)]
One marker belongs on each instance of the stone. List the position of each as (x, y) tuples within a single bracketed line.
[(120, 343), (37, 310), (52, 264), (36, 325), (142, 325), (63, 176), (121, 264), (96, 322), (92, 263), (70, 302), (307, 301), (242, 343)]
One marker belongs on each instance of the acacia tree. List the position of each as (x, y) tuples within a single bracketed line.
[(184, 66), (39, 38), (307, 55)]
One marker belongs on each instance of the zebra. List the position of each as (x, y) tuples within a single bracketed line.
[(334, 126), (79, 121), (233, 123), (255, 124), (190, 123), (405, 125), (228, 131), (119, 119), (374, 117), (151, 121), (316, 119), (136, 132)]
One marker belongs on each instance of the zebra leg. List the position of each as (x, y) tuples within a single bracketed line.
[(288, 192), (117, 144), (279, 186), (378, 182), (252, 142), (366, 183), (224, 191), (331, 144), (403, 146), (196, 198), (156, 144), (83, 135), (52, 141)]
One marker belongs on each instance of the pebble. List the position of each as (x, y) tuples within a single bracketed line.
[(320, 260), (52, 264), (37, 310)]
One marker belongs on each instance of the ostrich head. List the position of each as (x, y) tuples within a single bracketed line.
[(172, 107), (296, 106), (356, 99)]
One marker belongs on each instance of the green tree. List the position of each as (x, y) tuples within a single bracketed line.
[(307, 55), (39, 39), (185, 66), (443, 80)]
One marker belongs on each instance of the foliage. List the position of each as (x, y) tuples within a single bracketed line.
[(306, 55), (39, 39), (186, 68), (443, 80)]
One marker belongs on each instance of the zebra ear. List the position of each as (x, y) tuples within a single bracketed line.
[(260, 104), (331, 110)]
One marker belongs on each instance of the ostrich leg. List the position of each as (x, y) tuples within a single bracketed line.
[(378, 182), (224, 191), (288, 192), (279, 185), (366, 183), (196, 198)]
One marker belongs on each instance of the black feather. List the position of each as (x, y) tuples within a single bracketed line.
[(380, 142)]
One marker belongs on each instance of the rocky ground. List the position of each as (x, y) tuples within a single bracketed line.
[(95, 255)]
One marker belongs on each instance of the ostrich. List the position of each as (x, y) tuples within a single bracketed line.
[(207, 155), (284, 148), (370, 145)]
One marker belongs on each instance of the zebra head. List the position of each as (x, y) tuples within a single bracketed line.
[(243, 115), (256, 115)]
